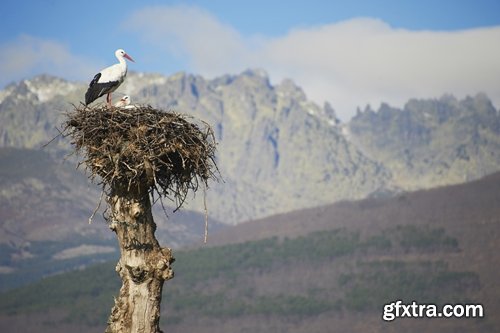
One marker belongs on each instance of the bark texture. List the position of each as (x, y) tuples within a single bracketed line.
[(143, 266)]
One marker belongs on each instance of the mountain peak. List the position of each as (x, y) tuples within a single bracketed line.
[(256, 72), (256, 76), (288, 87), (40, 88), (480, 104)]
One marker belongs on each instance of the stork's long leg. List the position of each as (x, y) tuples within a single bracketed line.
[(108, 99)]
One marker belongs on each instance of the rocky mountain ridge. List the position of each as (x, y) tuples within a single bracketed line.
[(432, 143), (278, 151)]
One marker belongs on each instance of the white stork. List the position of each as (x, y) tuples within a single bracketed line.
[(109, 79)]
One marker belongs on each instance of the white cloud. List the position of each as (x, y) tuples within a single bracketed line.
[(366, 61), (27, 56), (350, 63)]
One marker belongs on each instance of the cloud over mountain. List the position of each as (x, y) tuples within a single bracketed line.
[(27, 55), (361, 60), (349, 63)]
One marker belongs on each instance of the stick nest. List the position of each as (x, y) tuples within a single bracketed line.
[(143, 145)]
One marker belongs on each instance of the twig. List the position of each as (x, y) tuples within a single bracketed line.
[(206, 211), (97, 208), (58, 135)]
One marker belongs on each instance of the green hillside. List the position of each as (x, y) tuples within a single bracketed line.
[(235, 281), (327, 269)]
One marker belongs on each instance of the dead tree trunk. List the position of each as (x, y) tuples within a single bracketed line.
[(143, 266)]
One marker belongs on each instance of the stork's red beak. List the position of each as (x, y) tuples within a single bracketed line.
[(128, 57)]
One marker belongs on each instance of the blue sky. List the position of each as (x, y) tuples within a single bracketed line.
[(349, 53)]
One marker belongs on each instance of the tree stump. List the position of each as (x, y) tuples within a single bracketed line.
[(135, 154)]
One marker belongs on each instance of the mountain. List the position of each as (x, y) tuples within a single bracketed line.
[(277, 150), (433, 142), (323, 269)]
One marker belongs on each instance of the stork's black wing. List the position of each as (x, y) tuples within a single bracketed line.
[(98, 89), (95, 79), (93, 92)]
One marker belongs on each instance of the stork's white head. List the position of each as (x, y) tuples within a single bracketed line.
[(120, 54), (124, 101)]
